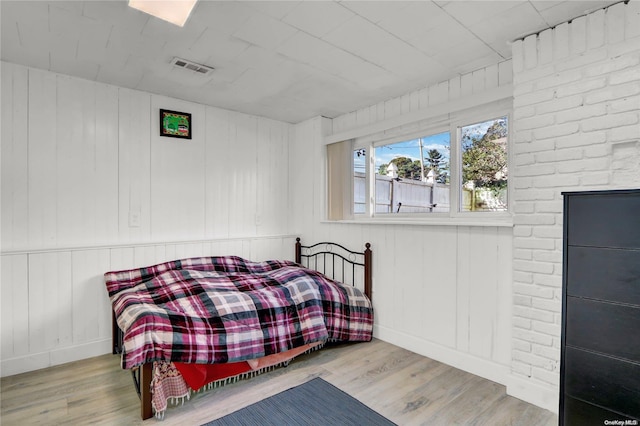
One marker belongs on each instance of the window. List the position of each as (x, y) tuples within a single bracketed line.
[(412, 176), (457, 170), (484, 166)]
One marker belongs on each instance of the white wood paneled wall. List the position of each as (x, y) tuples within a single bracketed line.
[(89, 186), (442, 291)]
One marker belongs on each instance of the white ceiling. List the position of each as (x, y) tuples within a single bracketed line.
[(287, 60)]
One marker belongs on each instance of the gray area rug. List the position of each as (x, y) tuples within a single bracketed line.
[(313, 403)]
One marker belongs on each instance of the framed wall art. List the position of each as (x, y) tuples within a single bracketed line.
[(175, 124)]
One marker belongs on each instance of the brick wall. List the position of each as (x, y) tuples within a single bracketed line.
[(576, 127)]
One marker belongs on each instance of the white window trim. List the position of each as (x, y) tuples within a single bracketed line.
[(454, 121)]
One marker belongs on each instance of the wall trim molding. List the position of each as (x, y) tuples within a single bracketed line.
[(58, 356), (534, 393), (476, 100)]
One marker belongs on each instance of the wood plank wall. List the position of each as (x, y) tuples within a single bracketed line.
[(441, 291), (89, 186)]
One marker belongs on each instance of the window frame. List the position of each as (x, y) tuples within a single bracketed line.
[(453, 123)]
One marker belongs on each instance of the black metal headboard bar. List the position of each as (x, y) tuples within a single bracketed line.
[(325, 249)]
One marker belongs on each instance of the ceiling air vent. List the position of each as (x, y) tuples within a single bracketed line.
[(189, 65)]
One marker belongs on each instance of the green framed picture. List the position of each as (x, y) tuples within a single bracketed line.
[(175, 124)]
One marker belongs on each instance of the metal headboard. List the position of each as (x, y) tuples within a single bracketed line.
[(338, 263)]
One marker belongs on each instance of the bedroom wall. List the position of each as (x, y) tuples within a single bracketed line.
[(89, 186), (443, 291), (577, 127)]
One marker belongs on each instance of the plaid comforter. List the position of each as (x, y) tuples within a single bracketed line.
[(226, 309)]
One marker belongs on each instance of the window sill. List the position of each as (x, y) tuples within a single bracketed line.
[(503, 222)]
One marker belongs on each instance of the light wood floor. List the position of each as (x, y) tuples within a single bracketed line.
[(404, 387)]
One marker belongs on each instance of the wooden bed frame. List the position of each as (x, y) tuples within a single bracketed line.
[(331, 259)]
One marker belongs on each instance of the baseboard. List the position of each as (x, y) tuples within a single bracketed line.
[(464, 361), (534, 393), (31, 362)]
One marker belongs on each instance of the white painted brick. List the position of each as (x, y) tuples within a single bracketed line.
[(595, 32), (595, 179), (580, 61), (545, 46), (610, 121), (521, 207), (597, 151), (615, 21), (522, 231), (581, 113), (524, 159), (533, 290), (578, 35), (628, 47), (624, 134), (559, 104), (612, 92), (547, 304), (547, 280), (535, 170), (554, 232), (534, 243), (550, 377), (521, 345), (558, 155), (530, 54), (523, 254), (625, 76), (561, 41), (611, 65), (533, 98), (546, 328), (524, 112), (520, 368), (554, 206), (581, 86), (522, 183), (548, 352), (590, 165), (559, 79), (534, 194), (522, 136), (534, 122), (523, 88), (535, 75), (555, 181), (556, 131), (582, 139), (519, 300), (538, 267), (523, 277), (632, 24), (549, 256), (530, 336), (631, 103)]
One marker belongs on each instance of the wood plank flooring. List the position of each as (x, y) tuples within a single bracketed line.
[(407, 388)]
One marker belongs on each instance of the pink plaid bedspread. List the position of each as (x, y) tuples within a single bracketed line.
[(227, 309)]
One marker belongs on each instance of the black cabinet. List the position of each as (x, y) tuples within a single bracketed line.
[(600, 349)]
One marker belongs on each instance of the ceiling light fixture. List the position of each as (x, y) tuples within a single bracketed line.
[(175, 11)]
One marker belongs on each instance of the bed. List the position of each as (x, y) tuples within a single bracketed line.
[(192, 324)]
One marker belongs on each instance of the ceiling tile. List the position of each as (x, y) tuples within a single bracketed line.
[(318, 17), (506, 26), (264, 31), (375, 11), (410, 21), (472, 12)]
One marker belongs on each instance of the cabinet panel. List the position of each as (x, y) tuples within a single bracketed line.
[(580, 413), (604, 327), (607, 274), (604, 381), (609, 219)]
